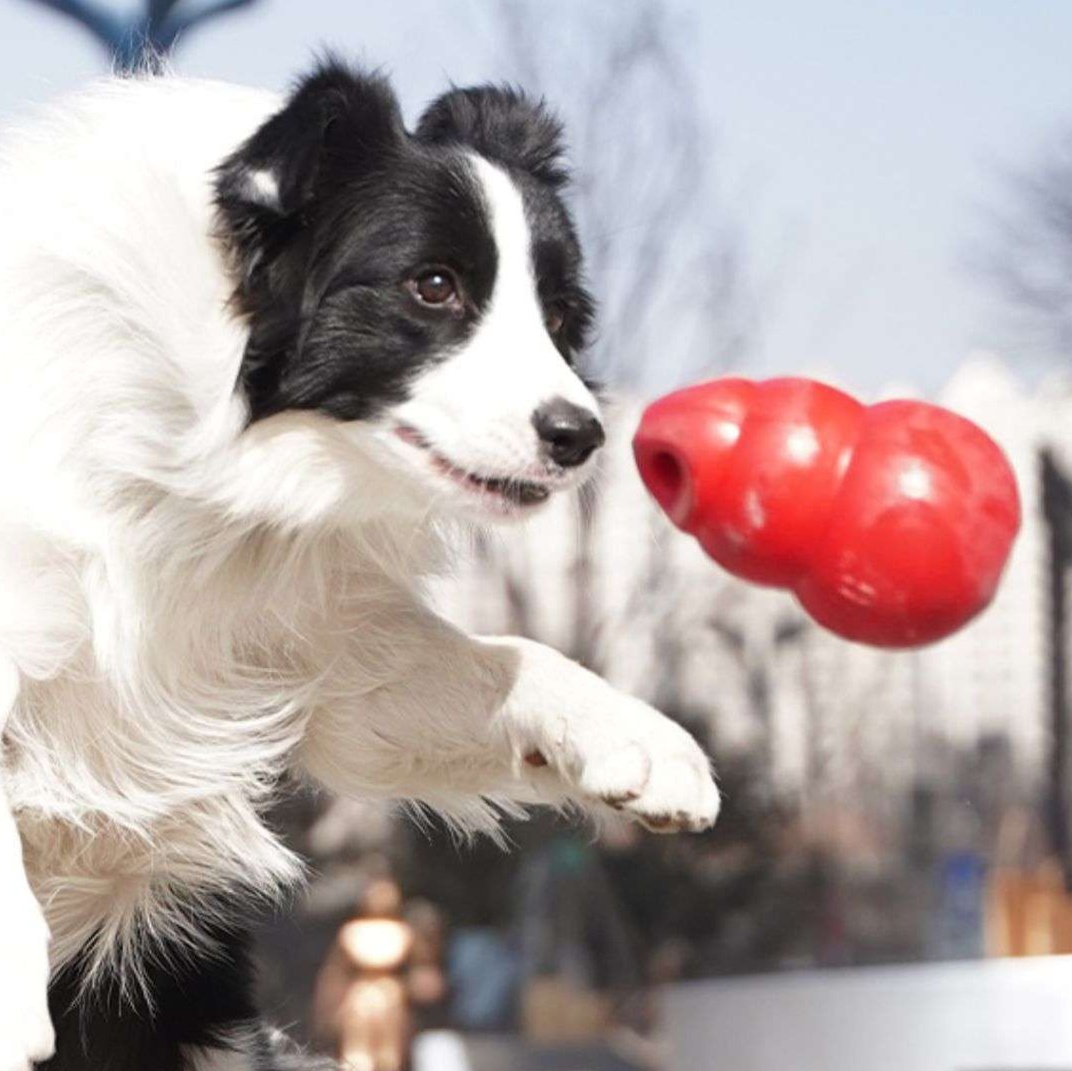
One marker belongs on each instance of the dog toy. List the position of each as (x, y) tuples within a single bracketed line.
[(891, 523)]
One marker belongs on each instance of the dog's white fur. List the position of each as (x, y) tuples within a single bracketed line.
[(188, 609)]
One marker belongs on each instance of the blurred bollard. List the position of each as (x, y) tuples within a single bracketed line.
[(484, 975), (440, 1050), (958, 926), (1029, 912)]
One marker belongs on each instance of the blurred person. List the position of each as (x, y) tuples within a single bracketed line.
[(361, 1007)]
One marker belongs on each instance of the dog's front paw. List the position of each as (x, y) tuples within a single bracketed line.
[(637, 761), (25, 1027)]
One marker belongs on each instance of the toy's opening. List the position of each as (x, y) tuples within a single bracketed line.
[(665, 478)]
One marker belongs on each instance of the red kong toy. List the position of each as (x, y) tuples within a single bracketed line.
[(891, 523)]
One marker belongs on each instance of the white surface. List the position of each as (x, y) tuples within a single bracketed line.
[(1000, 1015), (439, 1050)]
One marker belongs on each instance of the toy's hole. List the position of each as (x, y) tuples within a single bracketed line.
[(666, 478)]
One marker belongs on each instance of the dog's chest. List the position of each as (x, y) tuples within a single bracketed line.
[(140, 773), (173, 729), (131, 802)]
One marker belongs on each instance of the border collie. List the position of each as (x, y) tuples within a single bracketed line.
[(257, 357)]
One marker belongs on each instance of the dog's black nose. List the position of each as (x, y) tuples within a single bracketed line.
[(568, 433)]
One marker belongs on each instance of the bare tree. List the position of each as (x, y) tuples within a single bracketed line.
[(664, 256), (1031, 259), (141, 39)]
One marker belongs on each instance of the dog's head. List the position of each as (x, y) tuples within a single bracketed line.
[(421, 289)]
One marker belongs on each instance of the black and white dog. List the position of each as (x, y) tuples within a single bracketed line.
[(254, 355)]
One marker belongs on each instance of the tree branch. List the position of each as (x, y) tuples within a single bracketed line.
[(192, 15), (645, 175), (1030, 259)]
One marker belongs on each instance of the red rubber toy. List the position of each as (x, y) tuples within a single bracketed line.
[(891, 523)]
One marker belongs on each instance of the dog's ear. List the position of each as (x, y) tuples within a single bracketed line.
[(504, 125), (335, 121), (336, 124)]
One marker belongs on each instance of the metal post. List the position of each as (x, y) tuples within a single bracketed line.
[(1057, 509)]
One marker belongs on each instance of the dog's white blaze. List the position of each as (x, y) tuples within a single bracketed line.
[(478, 405), (515, 318)]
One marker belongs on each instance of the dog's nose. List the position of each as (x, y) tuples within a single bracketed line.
[(568, 433)]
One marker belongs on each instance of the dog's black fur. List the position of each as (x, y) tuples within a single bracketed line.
[(189, 997), (362, 204)]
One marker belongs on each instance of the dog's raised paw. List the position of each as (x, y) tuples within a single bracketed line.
[(680, 797), (640, 763), (680, 793), (618, 777)]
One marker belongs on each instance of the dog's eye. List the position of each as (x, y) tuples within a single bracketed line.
[(435, 287), (555, 318)]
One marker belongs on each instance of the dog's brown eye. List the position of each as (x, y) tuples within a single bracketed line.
[(555, 318), (435, 287)]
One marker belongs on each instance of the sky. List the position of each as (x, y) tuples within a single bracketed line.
[(861, 145)]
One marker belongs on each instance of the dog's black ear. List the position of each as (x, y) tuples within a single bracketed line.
[(335, 121), (335, 124), (504, 125)]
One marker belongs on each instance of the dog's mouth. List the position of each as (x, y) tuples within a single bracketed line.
[(501, 489)]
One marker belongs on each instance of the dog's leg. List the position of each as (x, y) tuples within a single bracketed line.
[(603, 746), (430, 713), (25, 1028)]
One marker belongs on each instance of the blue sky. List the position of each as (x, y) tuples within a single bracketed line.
[(860, 142), (881, 129)]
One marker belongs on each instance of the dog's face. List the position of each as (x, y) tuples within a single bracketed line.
[(423, 290)]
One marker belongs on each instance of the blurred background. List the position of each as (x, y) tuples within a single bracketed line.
[(878, 195)]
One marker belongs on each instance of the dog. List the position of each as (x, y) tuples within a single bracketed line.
[(261, 359)]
